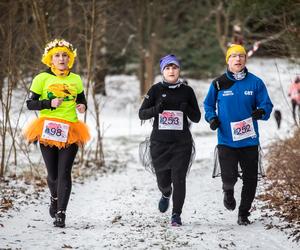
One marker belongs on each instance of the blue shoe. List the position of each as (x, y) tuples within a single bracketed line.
[(163, 204), (176, 220)]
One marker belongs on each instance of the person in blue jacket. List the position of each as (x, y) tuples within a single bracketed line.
[(234, 103)]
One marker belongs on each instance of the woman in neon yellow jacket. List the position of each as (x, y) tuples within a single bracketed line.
[(57, 93)]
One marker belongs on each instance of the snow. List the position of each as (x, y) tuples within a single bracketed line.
[(119, 210)]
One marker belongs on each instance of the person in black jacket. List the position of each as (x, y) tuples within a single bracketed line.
[(171, 103)]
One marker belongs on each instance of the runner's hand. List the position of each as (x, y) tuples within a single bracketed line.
[(214, 123), (80, 108), (258, 114), (56, 102), (159, 108)]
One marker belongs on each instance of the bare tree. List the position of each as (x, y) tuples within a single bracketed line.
[(94, 32)]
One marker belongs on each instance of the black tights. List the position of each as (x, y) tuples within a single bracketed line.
[(295, 106), (59, 164), (177, 177), (171, 162)]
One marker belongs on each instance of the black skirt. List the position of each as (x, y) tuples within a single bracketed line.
[(172, 155)]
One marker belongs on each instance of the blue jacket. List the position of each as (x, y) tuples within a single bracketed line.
[(234, 100)]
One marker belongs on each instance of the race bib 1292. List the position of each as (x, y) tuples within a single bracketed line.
[(242, 129)]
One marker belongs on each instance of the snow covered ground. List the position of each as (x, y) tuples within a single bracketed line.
[(119, 210)]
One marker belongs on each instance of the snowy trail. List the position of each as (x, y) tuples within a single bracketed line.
[(119, 211)]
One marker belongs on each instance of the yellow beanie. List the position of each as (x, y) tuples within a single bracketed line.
[(235, 48), (58, 45)]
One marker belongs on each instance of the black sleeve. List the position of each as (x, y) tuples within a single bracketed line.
[(81, 99), (193, 111), (147, 109), (33, 102)]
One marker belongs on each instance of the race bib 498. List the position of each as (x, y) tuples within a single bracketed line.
[(55, 131)]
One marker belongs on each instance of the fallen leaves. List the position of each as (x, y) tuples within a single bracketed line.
[(6, 203), (282, 189)]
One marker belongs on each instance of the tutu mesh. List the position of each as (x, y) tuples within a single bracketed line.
[(78, 133), (217, 168), (145, 156), (146, 159)]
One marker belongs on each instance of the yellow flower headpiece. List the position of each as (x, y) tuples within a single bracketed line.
[(58, 45)]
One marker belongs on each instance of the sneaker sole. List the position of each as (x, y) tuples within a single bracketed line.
[(231, 206), (162, 210), (174, 224), (61, 226), (243, 223)]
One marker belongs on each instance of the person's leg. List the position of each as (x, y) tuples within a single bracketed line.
[(164, 182), (229, 166), (179, 186), (50, 156), (277, 115), (180, 163), (229, 173), (249, 164), (164, 185), (294, 104), (161, 155), (64, 181), (298, 121)]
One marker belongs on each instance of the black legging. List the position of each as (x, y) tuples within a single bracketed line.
[(247, 157), (294, 106), (171, 162), (59, 164)]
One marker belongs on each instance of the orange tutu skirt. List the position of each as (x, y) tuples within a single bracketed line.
[(78, 133)]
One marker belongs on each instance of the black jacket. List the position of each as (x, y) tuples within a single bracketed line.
[(163, 96)]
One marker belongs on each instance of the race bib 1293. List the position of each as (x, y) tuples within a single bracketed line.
[(171, 119)]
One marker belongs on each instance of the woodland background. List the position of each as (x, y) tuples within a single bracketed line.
[(128, 37)]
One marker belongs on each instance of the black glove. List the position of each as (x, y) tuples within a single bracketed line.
[(214, 123), (258, 114), (159, 108), (183, 107)]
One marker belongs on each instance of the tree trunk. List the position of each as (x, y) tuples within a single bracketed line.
[(101, 64)]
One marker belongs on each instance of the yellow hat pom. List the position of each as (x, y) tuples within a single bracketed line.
[(235, 48), (58, 45)]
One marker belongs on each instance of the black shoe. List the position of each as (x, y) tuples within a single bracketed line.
[(229, 201), (243, 220), (176, 220), (60, 218), (53, 206), (163, 203)]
